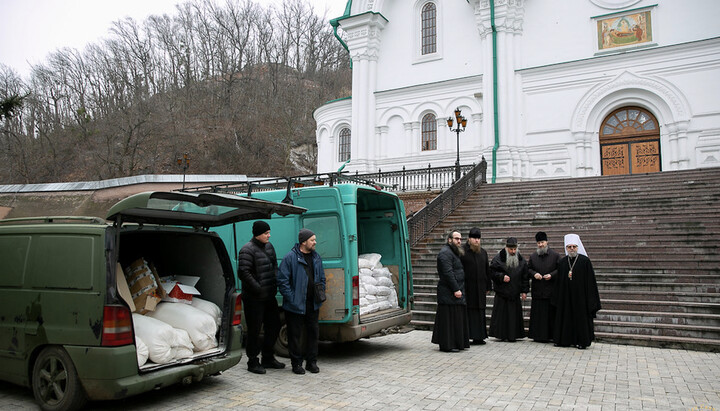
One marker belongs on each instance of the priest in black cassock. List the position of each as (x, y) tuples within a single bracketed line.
[(575, 296), (450, 331), (477, 284), (509, 272), (542, 265)]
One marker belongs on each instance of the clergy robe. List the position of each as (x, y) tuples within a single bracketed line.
[(576, 302), (541, 311), (477, 284), (506, 322)]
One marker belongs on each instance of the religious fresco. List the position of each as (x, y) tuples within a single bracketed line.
[(624, 30)]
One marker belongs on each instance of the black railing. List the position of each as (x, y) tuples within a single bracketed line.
[(422, 222), (422, 179)]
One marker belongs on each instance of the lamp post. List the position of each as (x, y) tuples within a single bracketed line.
[(461, 122), (184, 162)]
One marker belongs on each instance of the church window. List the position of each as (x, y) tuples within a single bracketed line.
[(344, 147), (429, 28), (429, 132)]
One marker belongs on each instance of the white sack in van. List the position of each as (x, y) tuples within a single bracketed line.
[(142, 351), (382, 272), (370, 260), (384, 282), (368, 279), (366, 271), (383, 290), (208, 307), (200, 325), (183, 344), (370, 289), (158, 336)]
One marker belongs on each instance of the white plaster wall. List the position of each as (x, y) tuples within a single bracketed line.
[(557, 31), (458, 40)]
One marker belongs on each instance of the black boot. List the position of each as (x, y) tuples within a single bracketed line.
[(298, 369), (255, 367), (272, 362), (312, 367)]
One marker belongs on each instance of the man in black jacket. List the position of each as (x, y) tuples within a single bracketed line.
[(450, 330), (509, 272), (542, 266), (257, 269)]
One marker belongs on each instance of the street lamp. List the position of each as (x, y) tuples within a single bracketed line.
[(184, 162), (461, 122)]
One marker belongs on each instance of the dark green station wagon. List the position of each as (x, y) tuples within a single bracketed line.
[(64, 329)]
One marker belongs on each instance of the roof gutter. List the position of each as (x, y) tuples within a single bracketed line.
[(335, 23)]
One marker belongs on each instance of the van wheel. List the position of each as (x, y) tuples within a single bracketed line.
[(281, 344), (55, 381)]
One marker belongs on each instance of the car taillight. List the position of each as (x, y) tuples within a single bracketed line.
[(117, 326), (237, 315), (356, 290)]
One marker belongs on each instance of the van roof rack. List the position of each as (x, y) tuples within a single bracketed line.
[(279, 183), (53, 219)]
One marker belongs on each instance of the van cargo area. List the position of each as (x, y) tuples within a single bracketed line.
[(178, 252)]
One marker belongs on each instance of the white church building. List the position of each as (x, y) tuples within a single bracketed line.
[(547, 88)]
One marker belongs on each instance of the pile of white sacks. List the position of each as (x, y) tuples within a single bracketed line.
[(377, 291), (176, 330)]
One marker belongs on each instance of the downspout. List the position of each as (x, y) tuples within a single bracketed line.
[(495, 90), (335, 23)]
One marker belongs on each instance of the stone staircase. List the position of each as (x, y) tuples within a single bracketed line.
[(653, 240)]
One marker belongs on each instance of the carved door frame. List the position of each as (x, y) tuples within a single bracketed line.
[(630, 142)]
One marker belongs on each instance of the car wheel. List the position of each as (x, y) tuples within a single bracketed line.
[(55, 381), (281, 344)]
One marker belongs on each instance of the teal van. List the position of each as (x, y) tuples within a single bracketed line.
[(65, 330), (349, 220)]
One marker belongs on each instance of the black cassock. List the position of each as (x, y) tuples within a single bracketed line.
[(506, 322), (576, 302), (477, 284)]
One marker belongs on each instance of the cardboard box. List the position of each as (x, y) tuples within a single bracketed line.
[(144, 286), (179, 288), (123, 289)]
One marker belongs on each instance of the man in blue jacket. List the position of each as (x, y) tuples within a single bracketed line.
[(301, 281)]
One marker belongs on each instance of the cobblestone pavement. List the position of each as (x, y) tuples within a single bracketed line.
[(407, 372)]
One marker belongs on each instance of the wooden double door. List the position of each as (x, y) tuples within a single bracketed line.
[(630, 142)]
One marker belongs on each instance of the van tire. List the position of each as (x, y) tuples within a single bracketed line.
[(55, 382)]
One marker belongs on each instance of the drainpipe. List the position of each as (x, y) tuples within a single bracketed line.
[(335, 23), (495, 90)]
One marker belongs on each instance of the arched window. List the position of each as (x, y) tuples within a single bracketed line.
[(429, 132), (344, 147), (630, 142), (429, 28)]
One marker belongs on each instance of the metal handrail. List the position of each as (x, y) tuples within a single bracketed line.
[(421, 223)]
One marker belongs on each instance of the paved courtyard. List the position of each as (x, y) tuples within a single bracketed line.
[(407, 372)]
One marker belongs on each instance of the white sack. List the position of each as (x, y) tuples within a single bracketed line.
[(366, 271), (370, 260), (382, 272), (183, 344), (208, 307), (372, 299), (200, 325), (142, 351), (384, 282), (382, 290), (368, 279), (370, 289), (157, 336), (363, 302)]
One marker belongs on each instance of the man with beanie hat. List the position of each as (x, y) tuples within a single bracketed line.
[(509, 272), (301, 281), (542, 266), (477, 284), (257, 270)]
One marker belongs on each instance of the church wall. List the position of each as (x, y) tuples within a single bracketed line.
[(399, 63), (562, 87)]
